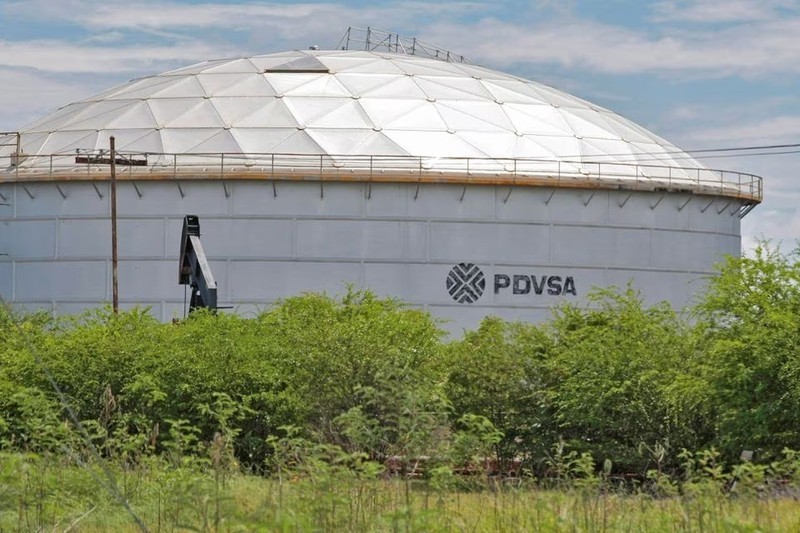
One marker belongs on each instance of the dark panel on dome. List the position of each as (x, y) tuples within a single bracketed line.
[(304, 64)]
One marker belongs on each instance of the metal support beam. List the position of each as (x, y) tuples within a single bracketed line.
[(660, 198)]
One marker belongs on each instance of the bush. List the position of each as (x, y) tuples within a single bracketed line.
[(615, 379)]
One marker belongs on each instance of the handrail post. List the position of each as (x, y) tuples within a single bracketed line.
[(19, 156), (222, 165), (174, 166)]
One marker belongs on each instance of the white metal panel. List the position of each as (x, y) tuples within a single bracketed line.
[(6, 279), (238, 66), (150, 280), (348, 114), (600, 246), (682, 251), (91, 238), (474, 115), (45, 200), (165, 199), (351, 239), (98, 115), (354, 141), (269, 113), (361, 83), (299, 199), (322, 86), (28, 239), (137, 116), (232, 110), (514, 243), (84, 238), (188, 87), (266, 281), (247, 87), (225, 238), (46, 281)]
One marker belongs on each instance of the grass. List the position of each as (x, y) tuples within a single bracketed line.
[(48, 493)]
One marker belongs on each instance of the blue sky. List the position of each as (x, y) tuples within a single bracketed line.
[(701, 73)]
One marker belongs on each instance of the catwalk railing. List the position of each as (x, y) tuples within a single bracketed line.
[(374, 39), (85, 165)]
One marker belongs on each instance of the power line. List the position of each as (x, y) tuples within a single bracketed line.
[(678, 154), (674, 156), (737, 148)]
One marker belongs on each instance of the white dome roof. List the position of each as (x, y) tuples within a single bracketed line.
[(341, 104)]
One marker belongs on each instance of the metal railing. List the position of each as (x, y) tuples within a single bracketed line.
[(372, 39), (10, 138), (509, 171)]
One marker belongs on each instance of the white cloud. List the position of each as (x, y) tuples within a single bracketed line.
[(714, 11), (28, 94), (769, 46), (780, 227), (286, 19), (60, 56), (777, 129)]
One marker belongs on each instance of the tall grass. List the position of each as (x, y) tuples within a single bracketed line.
[(45, 493)]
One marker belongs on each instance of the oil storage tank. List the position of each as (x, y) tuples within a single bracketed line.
[(451, 186)]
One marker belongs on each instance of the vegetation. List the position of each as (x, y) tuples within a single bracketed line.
[(357, 413)]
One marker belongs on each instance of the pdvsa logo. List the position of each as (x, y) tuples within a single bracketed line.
[(524, 284), (465, 283)]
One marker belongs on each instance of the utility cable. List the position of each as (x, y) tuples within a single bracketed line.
[(678, 154)]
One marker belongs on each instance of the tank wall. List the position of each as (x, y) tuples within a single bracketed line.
[(266, 242)]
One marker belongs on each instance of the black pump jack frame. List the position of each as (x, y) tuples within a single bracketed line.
[(194, 269)]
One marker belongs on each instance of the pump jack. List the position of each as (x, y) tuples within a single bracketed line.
[(194, 269)]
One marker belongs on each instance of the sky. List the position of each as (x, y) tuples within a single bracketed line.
[(701, 73)]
